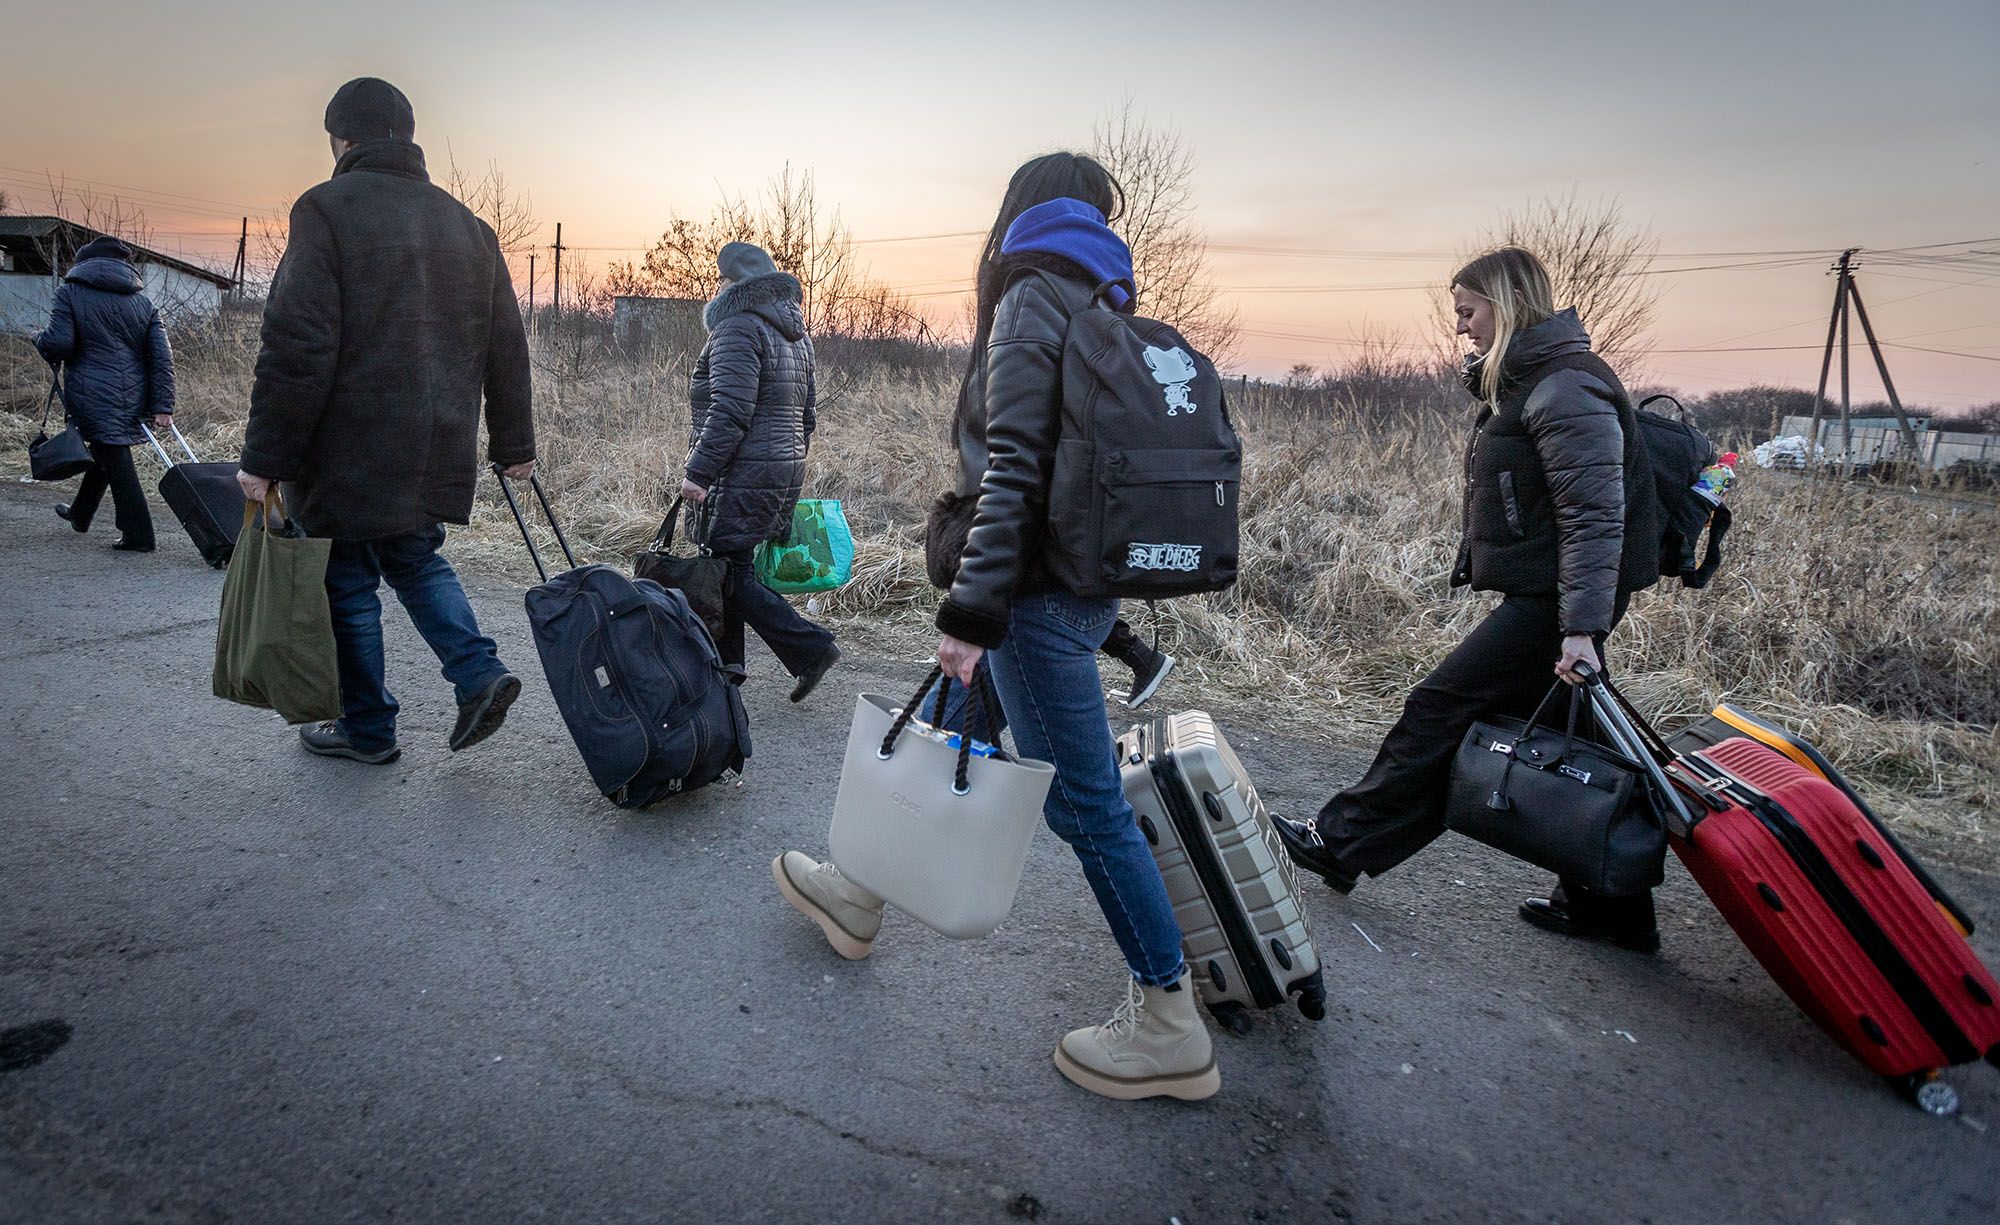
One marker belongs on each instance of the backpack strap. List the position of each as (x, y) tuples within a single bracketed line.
[(1718, 527)]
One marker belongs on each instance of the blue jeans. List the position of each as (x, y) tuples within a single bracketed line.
[(1045, 674), (430, 592)]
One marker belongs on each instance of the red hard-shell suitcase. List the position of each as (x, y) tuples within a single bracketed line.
[(1834, 914)]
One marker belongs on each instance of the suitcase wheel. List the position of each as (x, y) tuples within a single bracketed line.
[(1231, 1016), (1312, 996), (1928, 1094)]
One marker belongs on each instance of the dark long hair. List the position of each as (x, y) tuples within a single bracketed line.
[(1052, 176)]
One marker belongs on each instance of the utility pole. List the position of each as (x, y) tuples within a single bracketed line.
[(531, 292), (242, 257), (1846, 300), (555, 291)]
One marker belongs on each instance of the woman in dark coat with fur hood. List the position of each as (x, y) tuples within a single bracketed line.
[(752, 399), (118, 369)]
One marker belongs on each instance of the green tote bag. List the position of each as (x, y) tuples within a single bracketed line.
[(274, 645), (818, 557)]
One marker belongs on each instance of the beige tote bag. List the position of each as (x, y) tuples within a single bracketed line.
[(938, 833)]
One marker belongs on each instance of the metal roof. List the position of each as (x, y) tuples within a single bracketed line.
[(34, 228)]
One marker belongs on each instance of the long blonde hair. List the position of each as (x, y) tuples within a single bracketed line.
[(1517, 285)]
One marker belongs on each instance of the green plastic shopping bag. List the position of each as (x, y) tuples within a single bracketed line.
[(818, 557), (274, 645)]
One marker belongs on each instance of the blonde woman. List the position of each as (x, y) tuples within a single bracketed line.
[(1554, 470)]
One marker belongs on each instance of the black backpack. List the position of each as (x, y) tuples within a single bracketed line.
[(1142, 503), (1679, 452)]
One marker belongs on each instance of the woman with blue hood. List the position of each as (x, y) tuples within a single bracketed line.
[(1050, 254), (118, 369)]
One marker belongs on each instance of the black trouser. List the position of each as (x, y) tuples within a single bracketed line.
[(1503, 668), (1123, 643), (113, 469), (797, 642)]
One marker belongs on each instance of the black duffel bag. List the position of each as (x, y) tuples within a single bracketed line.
[(705, 581), (61, 457), (1559, 801)]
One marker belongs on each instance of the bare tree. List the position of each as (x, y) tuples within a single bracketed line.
[(511, 213), (1169, 251), (6, 203), (839, 295), (1598, 263)]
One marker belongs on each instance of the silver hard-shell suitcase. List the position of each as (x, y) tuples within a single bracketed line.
[(1234, 889)]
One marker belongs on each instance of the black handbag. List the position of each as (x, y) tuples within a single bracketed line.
[(61, 457), (706, 581), (1559, 801)]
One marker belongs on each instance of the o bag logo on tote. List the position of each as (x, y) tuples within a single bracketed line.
[(1184, 558), (1173, 369)]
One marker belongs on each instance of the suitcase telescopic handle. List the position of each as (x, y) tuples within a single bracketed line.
[(1612, 717), (521, 521), (165, 458)]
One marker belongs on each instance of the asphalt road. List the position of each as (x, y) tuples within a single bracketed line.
[(465, 988)]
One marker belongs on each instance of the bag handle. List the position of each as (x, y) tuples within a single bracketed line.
[(55, 393), (663, 540), (981, 688), (1499, 801), (520, 521), (253, 512)]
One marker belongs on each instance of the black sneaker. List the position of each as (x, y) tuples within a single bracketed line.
[(483, 715), (1149, 668), (809, 679), (1302, 840), (328, 740), (1551, 914)]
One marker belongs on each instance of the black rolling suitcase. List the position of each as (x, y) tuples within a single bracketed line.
[(204, 497), (1233, 886), (651, 706)]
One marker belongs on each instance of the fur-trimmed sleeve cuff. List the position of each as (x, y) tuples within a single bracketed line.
[(967, 625)]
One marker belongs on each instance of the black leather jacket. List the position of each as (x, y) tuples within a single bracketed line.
[(1006, 431), (1558, 495)]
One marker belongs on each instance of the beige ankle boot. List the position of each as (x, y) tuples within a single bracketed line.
[(848, 914), (1154, 1045)]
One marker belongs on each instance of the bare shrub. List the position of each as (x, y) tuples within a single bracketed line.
[(786, 220), (1597, 263), (1155, 166)]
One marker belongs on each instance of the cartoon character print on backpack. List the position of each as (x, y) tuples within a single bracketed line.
[(1173, 369)]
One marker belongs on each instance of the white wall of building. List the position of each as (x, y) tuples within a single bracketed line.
[(25, 298)]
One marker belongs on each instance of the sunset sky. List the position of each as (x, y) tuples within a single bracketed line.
[(1352, 146)]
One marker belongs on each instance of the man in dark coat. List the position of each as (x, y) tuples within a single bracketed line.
[(391, 318), (752, 399), (118, 370)]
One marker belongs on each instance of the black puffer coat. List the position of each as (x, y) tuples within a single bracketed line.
[(117, 365), (751, 401), (1007, 427), (392, 317), (1558, 496)]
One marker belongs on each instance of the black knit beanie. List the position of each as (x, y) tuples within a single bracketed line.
[(369, 108)]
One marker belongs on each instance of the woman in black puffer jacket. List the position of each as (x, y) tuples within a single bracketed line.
[(1558, 518), (118, 369), (752, 403)]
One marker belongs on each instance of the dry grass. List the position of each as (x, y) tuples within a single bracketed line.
[(1868, 621)]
